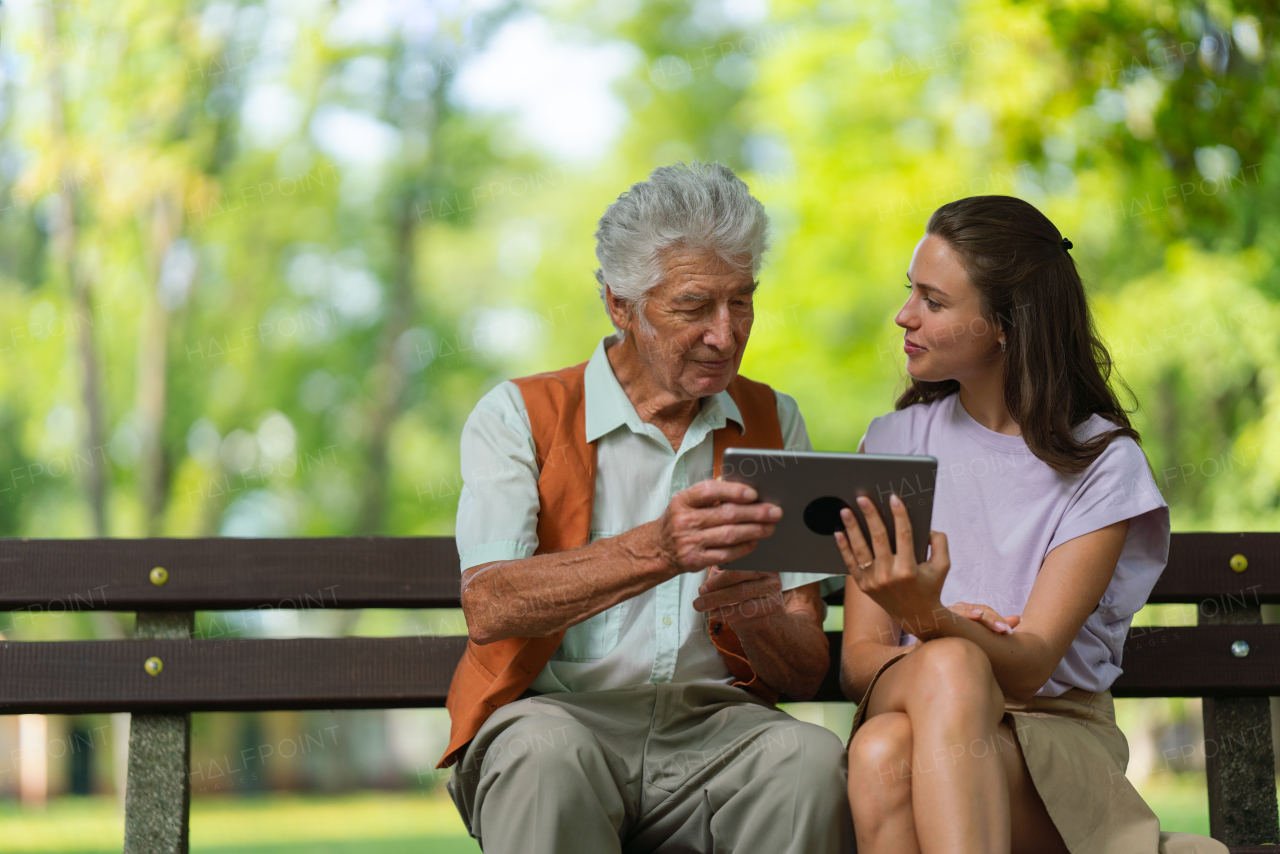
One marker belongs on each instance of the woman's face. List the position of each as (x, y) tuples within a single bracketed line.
[(947, 338)]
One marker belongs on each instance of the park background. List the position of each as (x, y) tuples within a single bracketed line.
[(259, 261)]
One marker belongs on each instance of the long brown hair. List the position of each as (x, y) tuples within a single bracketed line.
[(1057, 370)]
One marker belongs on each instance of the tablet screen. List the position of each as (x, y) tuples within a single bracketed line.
[(812, 487)]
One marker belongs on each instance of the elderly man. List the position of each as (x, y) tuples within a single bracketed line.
[(618, 688)]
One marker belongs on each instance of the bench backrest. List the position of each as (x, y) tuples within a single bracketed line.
[(175, 576)]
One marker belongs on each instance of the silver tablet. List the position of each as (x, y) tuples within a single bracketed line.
[(812, 487)]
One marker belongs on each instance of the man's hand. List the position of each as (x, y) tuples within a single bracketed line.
[(713, 522), (739, 598)]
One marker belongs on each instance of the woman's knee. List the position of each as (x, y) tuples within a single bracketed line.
[(955, 674), (880, 749)]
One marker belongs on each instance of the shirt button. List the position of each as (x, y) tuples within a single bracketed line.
[(666, 621)]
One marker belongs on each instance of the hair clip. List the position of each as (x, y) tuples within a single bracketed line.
[(1066, 244)]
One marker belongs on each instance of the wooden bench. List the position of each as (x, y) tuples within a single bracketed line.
[(162, 674)]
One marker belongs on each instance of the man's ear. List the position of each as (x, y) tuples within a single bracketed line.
[(619, 309)]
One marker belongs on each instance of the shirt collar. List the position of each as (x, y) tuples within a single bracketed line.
[(608, 406)]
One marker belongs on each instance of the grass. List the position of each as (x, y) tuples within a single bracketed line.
[(388, 822), (1181, 801)]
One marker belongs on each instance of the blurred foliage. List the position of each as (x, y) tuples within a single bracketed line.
[(259, 262)]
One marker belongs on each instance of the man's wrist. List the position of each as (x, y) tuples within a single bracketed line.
[(748, 629), (643, 545)]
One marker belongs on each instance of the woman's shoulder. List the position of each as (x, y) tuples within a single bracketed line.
[(903, 431), (1122, 452), (1121, 472)]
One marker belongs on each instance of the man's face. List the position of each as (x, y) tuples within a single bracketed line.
[(700, 318)]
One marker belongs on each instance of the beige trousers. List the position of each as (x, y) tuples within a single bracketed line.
[(698, 767)]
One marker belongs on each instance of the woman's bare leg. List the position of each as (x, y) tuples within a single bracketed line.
[(1033, 832), (880, 786), (959, 789), (891, 762)]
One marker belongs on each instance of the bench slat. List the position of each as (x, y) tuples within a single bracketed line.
[(1182, 661), (1196, 661), (1199, 568), (221, 574), (78, 677), (67, 677)]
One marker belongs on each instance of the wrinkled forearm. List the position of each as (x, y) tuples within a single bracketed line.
[(544, 594), (789, 651)]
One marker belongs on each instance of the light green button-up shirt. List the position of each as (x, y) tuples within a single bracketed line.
[(655, 636)]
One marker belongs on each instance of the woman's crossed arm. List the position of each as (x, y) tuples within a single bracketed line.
[(891, 591)]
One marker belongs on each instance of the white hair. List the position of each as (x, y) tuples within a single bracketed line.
[(700, 206)]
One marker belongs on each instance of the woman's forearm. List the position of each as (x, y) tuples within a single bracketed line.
[(1021, 661)]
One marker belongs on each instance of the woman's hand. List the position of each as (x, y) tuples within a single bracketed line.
[(986, 615), (909, 592)]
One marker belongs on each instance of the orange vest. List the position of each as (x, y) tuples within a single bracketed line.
[(494, 674)]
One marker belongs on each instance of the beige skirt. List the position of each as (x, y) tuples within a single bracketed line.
[(1077, 757)]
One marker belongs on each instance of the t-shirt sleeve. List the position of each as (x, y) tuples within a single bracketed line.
[(1116, 487), (795, 437), (498, 504)]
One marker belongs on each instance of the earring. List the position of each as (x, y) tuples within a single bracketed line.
[(1001, 346)]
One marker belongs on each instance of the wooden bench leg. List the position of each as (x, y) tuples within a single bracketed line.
[(158, 791), (1239, 760)]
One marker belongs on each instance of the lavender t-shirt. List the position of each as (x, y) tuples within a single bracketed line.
[(1003, 511)]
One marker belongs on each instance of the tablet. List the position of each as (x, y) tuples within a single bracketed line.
[(812, 487)]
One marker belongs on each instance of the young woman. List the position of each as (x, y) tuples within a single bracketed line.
[(977, 731)]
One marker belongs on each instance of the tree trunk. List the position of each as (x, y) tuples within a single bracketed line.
[(389, 375), (66, 253), (150, 392)]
